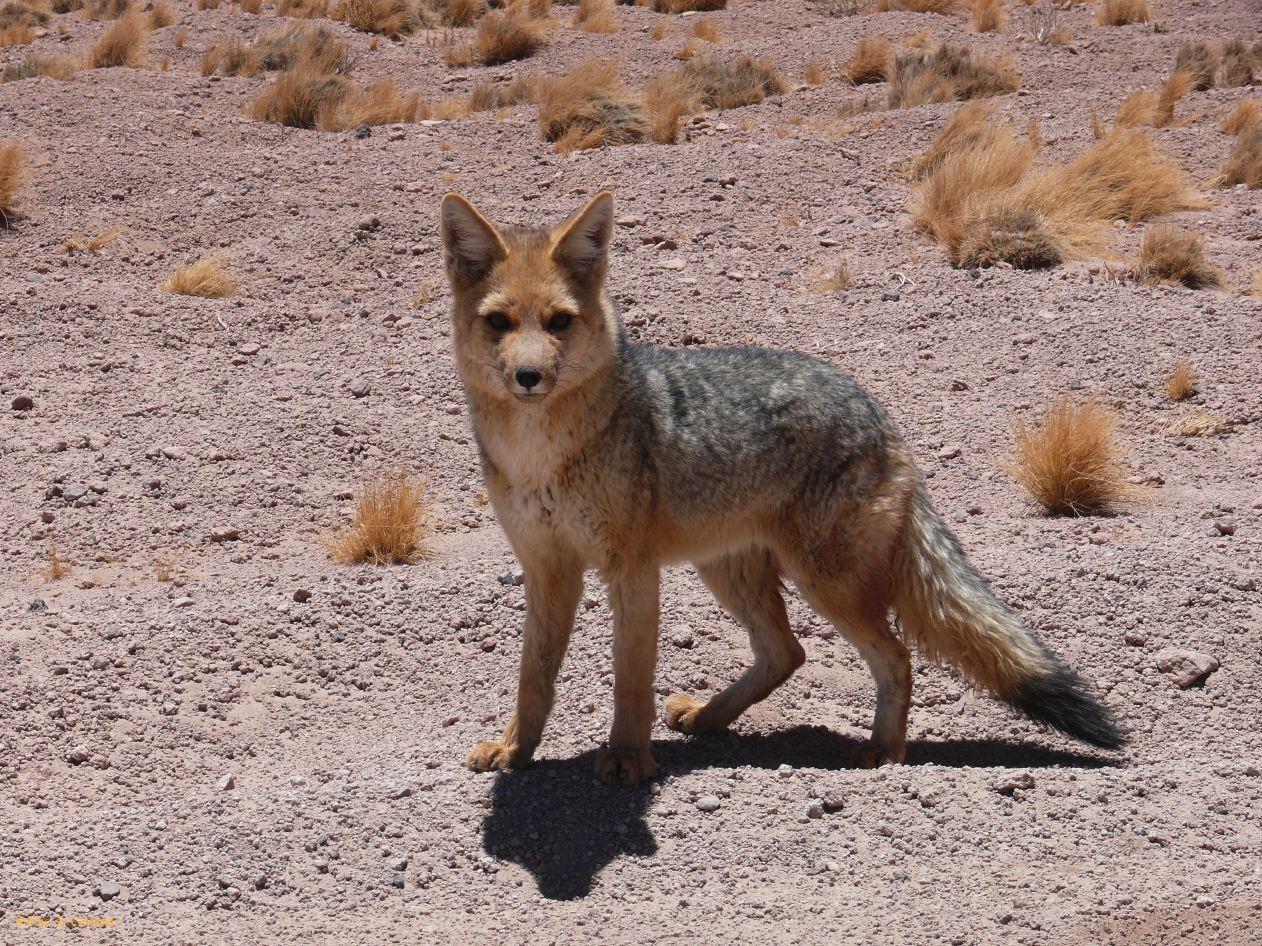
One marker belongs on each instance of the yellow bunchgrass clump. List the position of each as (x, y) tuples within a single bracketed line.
[(684, 6), (815, 73), (208, 278), (122, 44), (670, 99), (314, 48), (589, 107), (1200, 62), (988, 16), (982, 201), (1070, 461), (391, 524), (1237, 64), (160, 15), (12, 174), (595, 16), (949, 73), (457, 12), (1244, 164), (1247, 113), (1123, 12), (302, 9), (1154, 108), (706, 29), (305, 97), (506, 37), (1182, 383), (57, 566), (873, 60), (391, 18), (79, 243), (942, 7), (837, 278), (62, 68), (1201, 424), (1171, 257)]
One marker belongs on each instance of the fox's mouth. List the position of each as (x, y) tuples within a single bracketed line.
[(529, 396)]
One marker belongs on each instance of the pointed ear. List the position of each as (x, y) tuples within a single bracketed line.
[(471, 246), (581, 245)]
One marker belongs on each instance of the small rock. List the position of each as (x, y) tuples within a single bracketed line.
[(1014, 780), (226, 783), (950, 452), (249, 348), (302, 595), (399, 864), (37, 606), (23, 403), (1225, 526), (225, 535), (675, 264), (709, 803), (397, 881), (832, 801), (681, 636), (785, 770), (815, 809), (108, 890), (1186, 667), (488, 644), (360, 387), (401, 792), (77, 756), (889, 296)]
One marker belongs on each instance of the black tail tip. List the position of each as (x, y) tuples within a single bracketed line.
[(1059, 699)]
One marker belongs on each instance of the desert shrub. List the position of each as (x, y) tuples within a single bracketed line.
[(487, 96), (589, 107), (948, 73), (965, 130), (1123, 12), (391, 524), (1172, 257), (942, 7), (745, 81), (304, 97), (457, 12), (1200, 63), (1182, 382), (16, 35), (302, 9), (1018, 236), (122, 44), (391, 18), (1245, 114), (15, 13), (872, 61), (208, 278), (1244, 164), (595, 16), (1237, 65), (316, 47), (54, 67), (988, 16), (66, 6), (1154, 108), (815, 73), (12, 174), (687, 6), (670, 99), (161, 15), (107, 9), (1071, 461)]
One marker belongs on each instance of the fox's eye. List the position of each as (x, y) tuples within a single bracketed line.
[(498, 322), (560, 320)]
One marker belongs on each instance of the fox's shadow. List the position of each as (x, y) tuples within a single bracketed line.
[(564, 827)]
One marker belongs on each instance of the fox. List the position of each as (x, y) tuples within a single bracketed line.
[(761, 468)]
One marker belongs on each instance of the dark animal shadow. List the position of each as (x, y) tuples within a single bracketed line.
[(562, 825)]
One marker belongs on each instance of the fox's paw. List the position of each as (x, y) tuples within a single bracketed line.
[(624, 766), (496, 755), (681, 713), (870, 755)]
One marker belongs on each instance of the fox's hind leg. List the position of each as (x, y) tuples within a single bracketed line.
[(861, 619), (747, 584)]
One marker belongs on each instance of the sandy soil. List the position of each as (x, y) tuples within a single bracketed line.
[(207, 759)]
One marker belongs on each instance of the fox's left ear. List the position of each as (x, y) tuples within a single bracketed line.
[(581, 245)]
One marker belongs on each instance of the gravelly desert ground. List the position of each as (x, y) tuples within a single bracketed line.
[(212, 442)]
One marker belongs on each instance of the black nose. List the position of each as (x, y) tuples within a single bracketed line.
[(528, 377)]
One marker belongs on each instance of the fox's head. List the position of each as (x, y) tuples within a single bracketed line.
[(530, 317)]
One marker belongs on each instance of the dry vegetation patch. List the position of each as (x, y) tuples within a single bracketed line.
[(302, 9), (1172, 257), (1123, 12), (1247, 113), (1244, 164), (1182, 382), (942, 7), (683, 6), (949, 73), (391, 18), (744, 81), (1200, 62), (12, 175), (590, 107), (505, 37), (391, 524), (987, 16), (1071, 460), (52, 67), (1155, 108), (980, 198), (208, 278), (595, 16), (1237, 65), (122, 44), (873, 60), (315, 47)]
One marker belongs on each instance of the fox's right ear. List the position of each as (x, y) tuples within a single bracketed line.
[(471, 246)]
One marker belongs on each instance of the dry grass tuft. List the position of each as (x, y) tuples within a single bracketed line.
[(161, 15), (1237, 65), (12, 174), (1154, 108), (108, 9), (122, 44), (942, 7), (53, 67), (723, 85), (1071, 462), (988, 16), (1200, 62), (302, 9), (1244, 164), (1123, 12), (595, 16), (980, 200), (393, 18), (16, 35), (251, 6), (815, 73), (79, 243), (16, 13), (316, 48), (837, 279), (391, 525), (57, 566), (305, 97), (506, 37), (1246, 114), (1170, 257), (948, 73), (1182, 383), (670, 99), (458, 13), (180, 38), (589, 107), (706, 29), (208, 278), (872, 61)]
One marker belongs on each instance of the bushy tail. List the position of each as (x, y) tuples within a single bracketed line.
[(947, 609)]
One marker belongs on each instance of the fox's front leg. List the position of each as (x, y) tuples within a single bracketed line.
[(634, 599), (553, 587)]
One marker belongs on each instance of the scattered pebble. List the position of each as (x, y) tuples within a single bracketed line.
[(1187, 668)]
